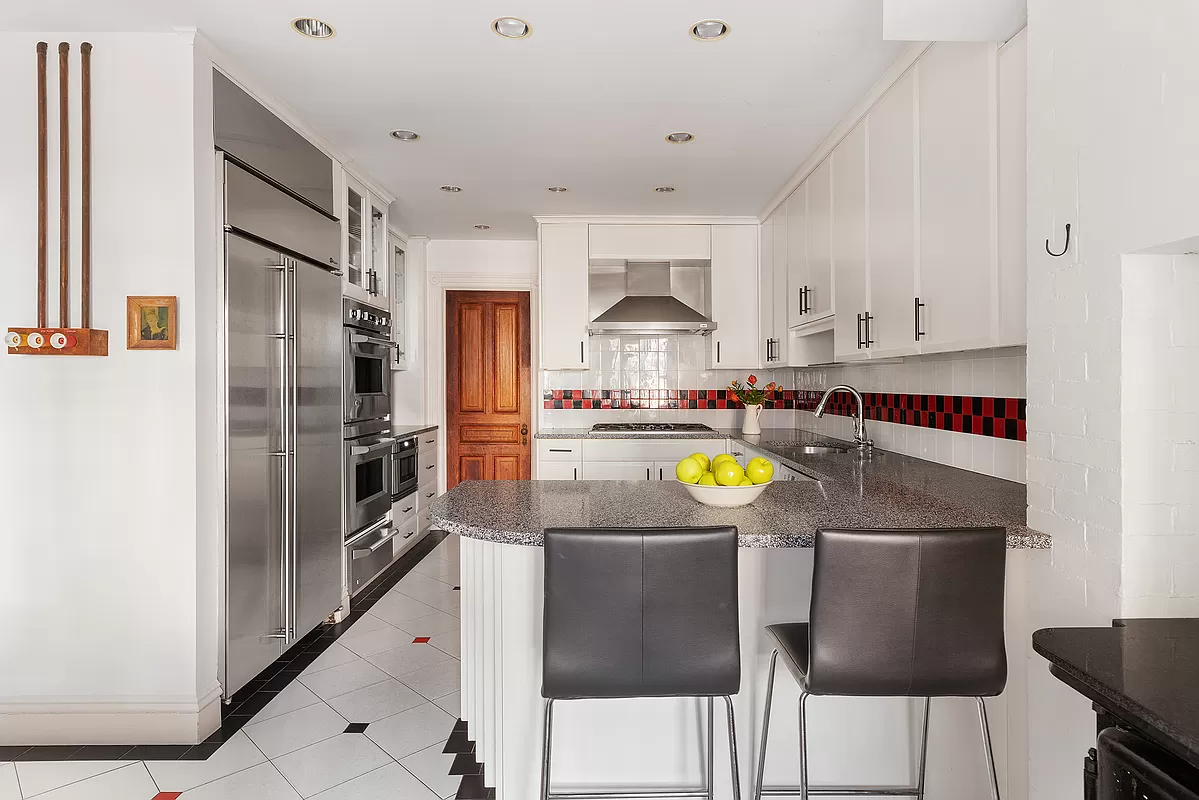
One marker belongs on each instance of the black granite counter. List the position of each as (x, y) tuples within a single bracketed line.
[(402, 430), (1144, 672)]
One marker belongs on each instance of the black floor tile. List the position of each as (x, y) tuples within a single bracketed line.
[(357, 727), (44, 752), (101, 752), (256, 702), (202, 752), (457, 743), (465, 764), (229, 726), (157, 752), (460, 725), (10, 752), (472, 788)]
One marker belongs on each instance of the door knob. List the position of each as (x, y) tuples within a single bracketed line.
[(524, 433)]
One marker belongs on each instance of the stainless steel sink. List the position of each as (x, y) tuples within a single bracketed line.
[(816, 449)]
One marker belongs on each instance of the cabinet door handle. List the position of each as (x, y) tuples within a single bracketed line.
[(581, 350), (916, 314), (576, 473), (560, 450), (647, 473), (660, 471), (869, 340), (859, 331), (717, 352), (808, 300)]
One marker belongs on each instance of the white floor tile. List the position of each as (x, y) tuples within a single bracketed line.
[(38, 777), (432, 767), (334, 656), (293, 697), (9, 788), (444, 600), (391, 782), (409, 731), (376, 702), (451, 704), (234, 755), (436, 681), (450, 643), (374, 641), (296, 729), (326, 764), (398, 608), (126, 783), (262, 782), (414, 584), (432, 624), (330, 683), (438, 568), (367, 622), (408, 658)]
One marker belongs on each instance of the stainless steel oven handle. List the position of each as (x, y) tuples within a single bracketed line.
[(363, 449), (362, 338), (358, 553)]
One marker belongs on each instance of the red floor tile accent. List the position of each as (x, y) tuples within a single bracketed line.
[(421, 640), (167, 795)]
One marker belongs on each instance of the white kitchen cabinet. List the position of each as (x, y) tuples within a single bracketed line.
[(558, 471), (564, 309), (958, 197), (797, 255), (650, 242), (664, 470), (849, 251), (619, 470), (819, 282), (892, 221), (767, 233), (1013, 256), (365, 250), (734, 343), (772, 309), (398, 288), (780, 319)]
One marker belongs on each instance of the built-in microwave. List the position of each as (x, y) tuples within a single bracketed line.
[(403, 468), (366, 362)]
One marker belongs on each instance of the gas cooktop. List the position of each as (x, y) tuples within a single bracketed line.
[(650, 427)]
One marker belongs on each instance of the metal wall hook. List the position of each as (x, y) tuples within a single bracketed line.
[(1064, 249)]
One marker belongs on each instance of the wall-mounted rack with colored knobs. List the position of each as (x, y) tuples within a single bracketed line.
[(63, 340)]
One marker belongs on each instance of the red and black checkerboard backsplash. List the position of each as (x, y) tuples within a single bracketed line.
[(998, 417)]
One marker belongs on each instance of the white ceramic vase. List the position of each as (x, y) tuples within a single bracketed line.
[(750, 426)]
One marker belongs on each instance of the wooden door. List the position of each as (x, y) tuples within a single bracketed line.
[(487, 387)]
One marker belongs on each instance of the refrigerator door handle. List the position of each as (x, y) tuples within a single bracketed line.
[(293, 334)]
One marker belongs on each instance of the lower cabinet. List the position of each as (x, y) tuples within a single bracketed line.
[(558, 471), (618, 459), (619, 470)]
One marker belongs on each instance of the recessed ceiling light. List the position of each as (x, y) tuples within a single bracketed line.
[(557, 189), (451, 189), (483, 227), (680, 137), (709, 30), (404, 135), (664, 189), (313, 28), (511, 27)]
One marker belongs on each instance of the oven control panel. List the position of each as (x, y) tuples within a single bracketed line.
[(368, 318)]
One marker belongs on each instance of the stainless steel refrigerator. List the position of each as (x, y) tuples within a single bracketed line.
[(283, 403)]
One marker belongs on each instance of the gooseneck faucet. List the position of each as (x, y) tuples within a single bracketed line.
[(859, 421)]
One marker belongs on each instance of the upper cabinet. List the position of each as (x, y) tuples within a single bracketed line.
[(818, 288), (650, 242), (564, 295), (735, 293), (852, 332), (398, 284), (366, 257), (1013, 185)]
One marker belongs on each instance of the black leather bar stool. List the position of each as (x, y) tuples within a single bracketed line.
[(896, 613), (638, 612)]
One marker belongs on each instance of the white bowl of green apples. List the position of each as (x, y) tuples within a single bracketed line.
[(722, 481)]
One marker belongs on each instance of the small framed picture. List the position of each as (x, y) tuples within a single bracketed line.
[(152, 323)]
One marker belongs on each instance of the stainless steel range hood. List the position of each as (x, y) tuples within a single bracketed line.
[(649, 304)]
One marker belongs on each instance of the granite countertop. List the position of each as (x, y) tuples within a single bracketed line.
[(880, 490), (1142, 671), (403, 431), (587, 433)]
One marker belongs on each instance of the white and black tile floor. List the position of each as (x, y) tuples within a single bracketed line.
[(364, 710)]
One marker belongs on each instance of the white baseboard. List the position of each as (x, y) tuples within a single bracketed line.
[(111, 720)]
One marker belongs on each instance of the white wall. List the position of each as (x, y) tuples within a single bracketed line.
[(105, 525), (1112, 126), (506, 257)]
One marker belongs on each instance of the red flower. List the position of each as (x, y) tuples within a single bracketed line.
[(752, 380), (733, 396)]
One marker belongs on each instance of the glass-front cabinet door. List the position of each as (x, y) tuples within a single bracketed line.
[(399, 316), (368, 268)]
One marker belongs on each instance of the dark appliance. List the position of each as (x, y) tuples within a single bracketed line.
[(1131, 768), (650, 427), (366, 362), (403, 468)]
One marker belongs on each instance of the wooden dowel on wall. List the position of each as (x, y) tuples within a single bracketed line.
[(42, 47), (85, 278), (64, 186)]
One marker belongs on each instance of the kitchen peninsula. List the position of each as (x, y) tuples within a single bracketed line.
[(599, 744)]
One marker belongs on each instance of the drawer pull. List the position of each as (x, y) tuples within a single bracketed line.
[(430, 441), (430, 494), (430, 466), (406, 510), (560, 450), (410, 534)]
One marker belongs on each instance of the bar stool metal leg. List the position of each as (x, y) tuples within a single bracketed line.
[(545, 749), (982, 718), (711, 748), (736, 773), (803, 745), (774, 657), (923, 751)]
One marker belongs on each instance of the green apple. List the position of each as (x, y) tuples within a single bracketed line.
[(722, 457), (707, 479), (688, 470), (728, 473), (760, 472), (746, 482), (753, 461), (704, 461)]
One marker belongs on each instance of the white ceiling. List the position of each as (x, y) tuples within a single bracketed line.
[(584, 102)]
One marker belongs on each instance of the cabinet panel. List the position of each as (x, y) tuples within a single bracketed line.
[(618, 470), (766, 284), (558, 471), (560, 450), (893, 203), (564, 311), (778, 293), (849, 245), (1013, 255), (819, 242), (650, 242), (364, 234), (797, 255), (958, 259), (734, 344)]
